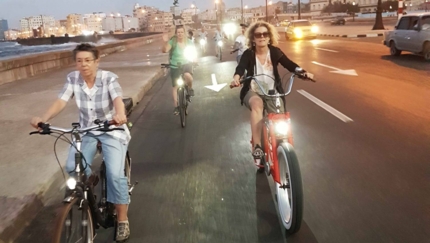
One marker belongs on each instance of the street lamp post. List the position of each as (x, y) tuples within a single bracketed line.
[(353, 11), (267, 6), (241, 7)]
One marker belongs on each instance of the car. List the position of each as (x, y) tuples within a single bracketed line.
[(412, 34), (338, 21), (300, 29), (284, 23)]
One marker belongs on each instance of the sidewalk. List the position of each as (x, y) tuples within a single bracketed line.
[(28, 168)]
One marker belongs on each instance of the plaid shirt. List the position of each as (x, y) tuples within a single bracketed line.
[(97, 102)]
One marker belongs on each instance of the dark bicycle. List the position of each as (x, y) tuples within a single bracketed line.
[(81, 213), (183, 97)]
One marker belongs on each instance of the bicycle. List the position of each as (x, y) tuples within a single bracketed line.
[(80, 213), (183, 97), (219, 44), (279, 159)]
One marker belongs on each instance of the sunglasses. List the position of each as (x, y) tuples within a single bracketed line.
[(261, 35)]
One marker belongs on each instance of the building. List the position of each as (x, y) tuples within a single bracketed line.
[(130, 23), (11, 34), (93, 21), (44, 25), (3, 27), (75, 24), (141, 13)]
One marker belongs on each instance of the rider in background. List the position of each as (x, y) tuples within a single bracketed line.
[(262, 57), (176, 46), (218, 36), (191, 35), (98, 95), (240, 43)]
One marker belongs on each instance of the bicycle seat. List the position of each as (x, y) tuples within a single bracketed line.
[(128, 103)]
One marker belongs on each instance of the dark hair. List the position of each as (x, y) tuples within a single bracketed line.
[(179, 27), (86, 47)]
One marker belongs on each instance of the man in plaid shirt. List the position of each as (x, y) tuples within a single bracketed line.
[(98, 95)]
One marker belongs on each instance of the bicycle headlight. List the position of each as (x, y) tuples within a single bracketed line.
[(282, 128), (180, 82), (71, 183), (190, 53), (202, 42), (220, 43)]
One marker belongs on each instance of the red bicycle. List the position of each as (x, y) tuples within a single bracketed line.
[(279, 159)]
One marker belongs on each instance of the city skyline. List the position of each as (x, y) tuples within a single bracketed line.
[(59, 9)]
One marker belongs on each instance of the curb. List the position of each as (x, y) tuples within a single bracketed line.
[(353, 36), (29, 206)]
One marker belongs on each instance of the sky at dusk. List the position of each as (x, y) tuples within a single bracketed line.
[(14, 10)]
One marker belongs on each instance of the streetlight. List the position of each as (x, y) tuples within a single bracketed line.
[(216, 10), (353, 11)]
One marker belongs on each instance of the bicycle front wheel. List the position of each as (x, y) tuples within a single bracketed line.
[(182, 105), (74, 224), (290, 191)]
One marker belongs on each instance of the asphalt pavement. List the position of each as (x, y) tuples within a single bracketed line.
[(363, 142)]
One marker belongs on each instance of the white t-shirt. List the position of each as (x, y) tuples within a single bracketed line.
[(266, 82), (241, 39), (218, 35)]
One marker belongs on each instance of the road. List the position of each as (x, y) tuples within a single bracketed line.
[(365, 179)]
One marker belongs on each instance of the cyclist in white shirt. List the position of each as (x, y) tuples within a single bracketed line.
[(240, 43)]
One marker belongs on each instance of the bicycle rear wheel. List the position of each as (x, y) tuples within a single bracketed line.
[(182, 105), (74, 224), (290, 191)]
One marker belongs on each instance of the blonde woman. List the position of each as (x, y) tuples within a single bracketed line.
[(262, 57)]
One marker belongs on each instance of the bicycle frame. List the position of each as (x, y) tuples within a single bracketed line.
[(270, 138)]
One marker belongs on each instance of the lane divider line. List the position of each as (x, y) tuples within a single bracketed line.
[(325, 106), (322, 49)]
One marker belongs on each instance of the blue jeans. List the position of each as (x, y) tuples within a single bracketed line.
[(114, 156)]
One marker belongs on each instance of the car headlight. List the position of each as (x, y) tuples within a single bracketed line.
[(71, 183), (202, 42), (180, 82), (190, 53), (282, 128), (220, 43), (298, 33), (314, 29)]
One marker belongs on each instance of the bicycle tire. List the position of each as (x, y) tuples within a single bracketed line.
[(181, 102), (107, 209), (66, 221), (290, 200), (127, 170)]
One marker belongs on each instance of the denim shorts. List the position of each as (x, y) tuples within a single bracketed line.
[(114, 157), (175, 73)]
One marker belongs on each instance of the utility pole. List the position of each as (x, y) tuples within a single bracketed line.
[(241, 5), (300, 9), (266, 12)]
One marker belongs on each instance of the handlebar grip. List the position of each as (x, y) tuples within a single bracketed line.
[(35, 132)]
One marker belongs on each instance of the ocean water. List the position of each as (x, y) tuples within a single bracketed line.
[(13, 49)]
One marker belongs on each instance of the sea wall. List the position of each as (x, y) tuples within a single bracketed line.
[(31, 65)]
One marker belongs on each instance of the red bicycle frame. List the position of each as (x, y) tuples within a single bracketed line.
[(270, 146)]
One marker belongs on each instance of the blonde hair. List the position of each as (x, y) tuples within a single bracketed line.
[(273, 33)]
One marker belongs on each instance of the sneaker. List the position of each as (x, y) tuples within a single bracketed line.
[(176, 111), (258, 152), (122, 232), (191, 92)]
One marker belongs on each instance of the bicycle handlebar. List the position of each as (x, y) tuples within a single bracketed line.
[(100, 126), (299, 73)]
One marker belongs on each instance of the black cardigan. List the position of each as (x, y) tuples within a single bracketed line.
[(247, 62)]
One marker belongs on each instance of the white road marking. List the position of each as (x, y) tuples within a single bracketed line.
[(215, 86), (350, 72), (326, 107), (322, 49)]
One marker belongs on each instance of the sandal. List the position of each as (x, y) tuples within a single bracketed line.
[(258, 152)]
